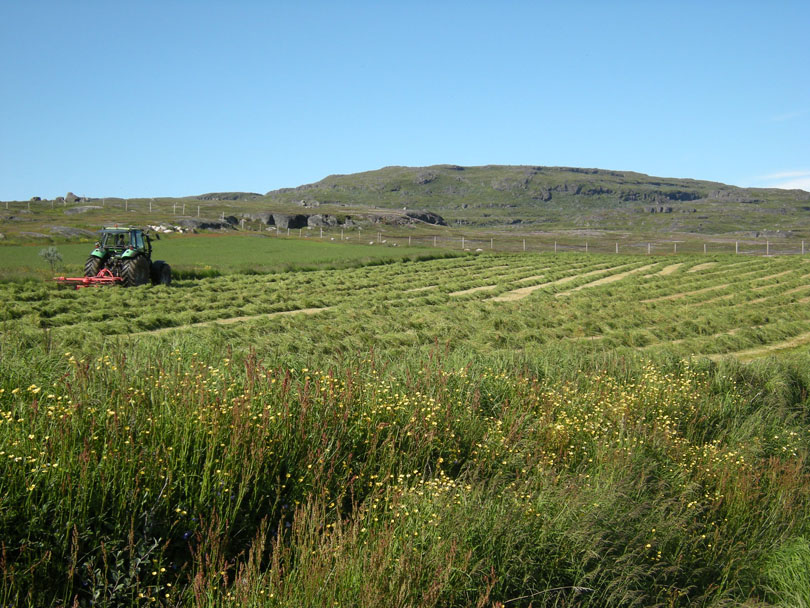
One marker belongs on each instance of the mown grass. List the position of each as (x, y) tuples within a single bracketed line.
[(729, 306), (407, 447)]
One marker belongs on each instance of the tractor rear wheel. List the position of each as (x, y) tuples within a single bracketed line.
[(92, 266), (135, 271), (161, 273)]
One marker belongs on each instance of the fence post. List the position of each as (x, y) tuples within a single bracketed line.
[(767, 248), (704, 248), (524, 244), (492, 242), (341, 234), (150, 205), (321, 231), (675, 247), (198, 210), (126, 205), (737, 247), (243, 223), (462, 242), (174, 209), (802, 247), (648, 249), (555, 246), (409, 240), (288, 231), (586, 246), (617, 247), (434, 241)]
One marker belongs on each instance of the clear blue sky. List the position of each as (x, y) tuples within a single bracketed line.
[(173, 98)]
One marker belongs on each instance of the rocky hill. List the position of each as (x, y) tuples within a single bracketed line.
[(559, 197)]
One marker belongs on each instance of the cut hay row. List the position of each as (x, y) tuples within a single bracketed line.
[(684, 294), (607, 280), (519, 294)]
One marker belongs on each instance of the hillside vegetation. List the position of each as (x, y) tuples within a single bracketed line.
[(563, 198), (527, 199)]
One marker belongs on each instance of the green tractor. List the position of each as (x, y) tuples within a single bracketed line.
[(126, 255)]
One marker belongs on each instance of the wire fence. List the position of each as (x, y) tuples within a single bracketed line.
[(549, 244)]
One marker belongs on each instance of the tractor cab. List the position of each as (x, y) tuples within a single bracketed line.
[(123, 242)]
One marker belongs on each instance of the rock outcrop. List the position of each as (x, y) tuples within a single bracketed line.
[(204, 224), (428, 217), (290, 220), (321, 220)]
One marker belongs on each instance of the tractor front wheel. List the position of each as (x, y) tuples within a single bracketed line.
[(135, 271), (92, 266)]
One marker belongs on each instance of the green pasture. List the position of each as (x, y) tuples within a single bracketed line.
[(220, 253)]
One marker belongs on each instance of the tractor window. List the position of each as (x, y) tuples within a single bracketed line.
[(137, 239)]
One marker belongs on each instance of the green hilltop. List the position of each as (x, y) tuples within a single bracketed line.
[(560, 198)]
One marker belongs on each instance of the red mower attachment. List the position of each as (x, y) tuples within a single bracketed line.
[(104, 277)]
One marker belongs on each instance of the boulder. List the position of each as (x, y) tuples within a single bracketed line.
[(287, 220), (72, 198), (204, 224), (35, 199), (265, 217), (427, 217), (321, 220)]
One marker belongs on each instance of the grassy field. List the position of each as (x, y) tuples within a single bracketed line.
[(217, 253), (490, 430)]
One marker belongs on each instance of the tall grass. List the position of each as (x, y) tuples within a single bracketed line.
[(195, 476)]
